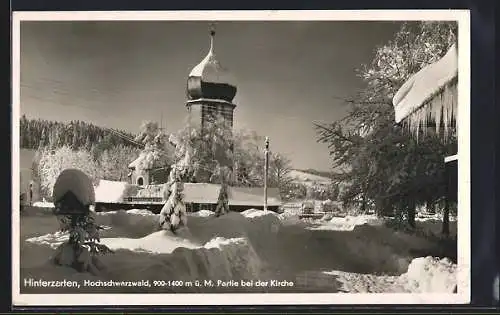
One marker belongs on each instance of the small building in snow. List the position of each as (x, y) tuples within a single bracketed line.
[(203, 196), (142, 174)]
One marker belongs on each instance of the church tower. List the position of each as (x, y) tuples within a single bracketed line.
[(210, 90)]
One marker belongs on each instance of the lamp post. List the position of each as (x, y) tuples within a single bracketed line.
[(266, 169)]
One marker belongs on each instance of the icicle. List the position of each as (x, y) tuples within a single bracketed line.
[(441, 108)]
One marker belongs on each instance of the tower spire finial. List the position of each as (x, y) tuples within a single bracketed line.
[(212, 36)]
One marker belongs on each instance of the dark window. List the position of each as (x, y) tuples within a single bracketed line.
[(140, 181)]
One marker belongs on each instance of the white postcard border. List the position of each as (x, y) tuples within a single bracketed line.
[(463, 225)]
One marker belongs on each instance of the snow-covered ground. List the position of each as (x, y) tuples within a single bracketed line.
[(352, 254), (347, 223), (203, 213), (43, 204)]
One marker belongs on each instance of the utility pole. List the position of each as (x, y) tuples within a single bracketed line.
[(266, 169), (161, 120)]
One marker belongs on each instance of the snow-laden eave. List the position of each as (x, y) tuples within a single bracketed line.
[(430, 94), (209, 100)]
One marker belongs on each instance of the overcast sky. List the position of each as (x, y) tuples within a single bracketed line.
[(118, 74)]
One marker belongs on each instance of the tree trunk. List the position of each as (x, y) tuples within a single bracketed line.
[(446, 218), (411, 213), (384, 208), (363, 205), (431, 207)]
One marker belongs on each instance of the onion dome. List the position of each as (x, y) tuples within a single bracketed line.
[(209, 80)]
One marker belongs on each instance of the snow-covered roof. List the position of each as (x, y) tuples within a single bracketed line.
[(210, 69), (425, 84), (145, 161), (201, 193), (136, 162), (113, 191), (253, 196)]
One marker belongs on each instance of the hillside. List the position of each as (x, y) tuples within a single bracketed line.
[(316, 172), (307, 178)]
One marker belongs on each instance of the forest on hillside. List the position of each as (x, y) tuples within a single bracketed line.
[(38, 133)]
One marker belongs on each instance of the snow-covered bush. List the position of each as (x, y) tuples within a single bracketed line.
[(53, 162), (173, 214), (156, 151)]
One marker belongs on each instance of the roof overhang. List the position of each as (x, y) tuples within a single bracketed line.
[(209, 101), (430, 94)]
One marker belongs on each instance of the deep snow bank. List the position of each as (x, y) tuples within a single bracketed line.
[(161, 242), (279, 241), (253, 244), (161, 256)]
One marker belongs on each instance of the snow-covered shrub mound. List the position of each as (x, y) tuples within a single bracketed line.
[(77, 182), (203, 213), (113, 191), (432, 275)]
